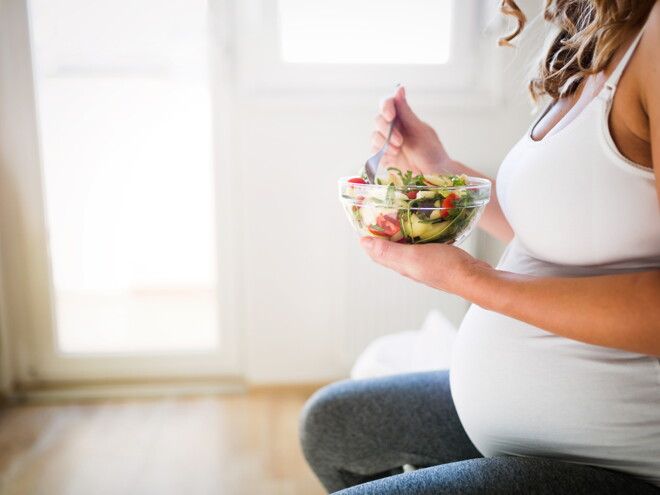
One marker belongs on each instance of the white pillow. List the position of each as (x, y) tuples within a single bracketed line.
[(414, 350)]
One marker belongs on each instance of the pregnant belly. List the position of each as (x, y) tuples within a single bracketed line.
[(522, 391)]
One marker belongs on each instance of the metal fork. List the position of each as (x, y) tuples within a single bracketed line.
[(371, 166)]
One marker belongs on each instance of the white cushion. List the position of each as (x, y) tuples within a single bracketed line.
[(414, 350)]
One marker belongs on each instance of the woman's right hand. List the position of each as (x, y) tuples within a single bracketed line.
[(414, 144)]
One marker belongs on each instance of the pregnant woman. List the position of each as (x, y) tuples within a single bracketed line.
[(555, 381)]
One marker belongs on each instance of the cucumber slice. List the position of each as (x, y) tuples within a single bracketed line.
[(435, 231), (415, 227), (459, 222), (426, 195)]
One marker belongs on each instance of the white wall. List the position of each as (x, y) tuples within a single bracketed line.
[(307, 299), (308, 288)]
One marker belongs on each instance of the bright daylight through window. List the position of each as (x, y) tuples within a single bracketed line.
[(124, 117), (365, 31)]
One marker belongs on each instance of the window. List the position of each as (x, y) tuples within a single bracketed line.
[(353, 46), (365, 32)]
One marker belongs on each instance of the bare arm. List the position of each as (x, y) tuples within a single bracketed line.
[(619, 311)]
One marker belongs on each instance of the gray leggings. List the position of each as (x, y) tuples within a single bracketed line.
[(359, 434)]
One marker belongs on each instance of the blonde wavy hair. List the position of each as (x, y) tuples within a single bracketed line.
[(588, 32)]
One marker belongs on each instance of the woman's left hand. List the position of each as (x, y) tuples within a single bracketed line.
[(440, 266)]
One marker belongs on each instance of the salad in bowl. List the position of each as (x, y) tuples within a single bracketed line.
[(415, 209)]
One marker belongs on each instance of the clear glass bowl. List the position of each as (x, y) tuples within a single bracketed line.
[(415, 214)]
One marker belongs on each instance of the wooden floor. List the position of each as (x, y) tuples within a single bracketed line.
[(220, 445)]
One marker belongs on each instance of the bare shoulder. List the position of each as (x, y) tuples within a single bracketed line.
[(649, 47), (653, 23)]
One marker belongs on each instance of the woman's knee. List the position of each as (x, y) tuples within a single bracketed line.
[(323, 415), (350, 413)]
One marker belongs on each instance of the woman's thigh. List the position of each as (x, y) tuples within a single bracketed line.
[(356, 430), (506, 476)]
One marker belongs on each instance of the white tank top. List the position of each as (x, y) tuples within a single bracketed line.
[(578, 208)]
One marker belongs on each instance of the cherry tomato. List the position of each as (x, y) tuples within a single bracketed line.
[(357, 180), (412, 194), (389, 224), (448, 204), (378, 233)]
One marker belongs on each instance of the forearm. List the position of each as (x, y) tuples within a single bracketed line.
[(493, 220), (617, 311)]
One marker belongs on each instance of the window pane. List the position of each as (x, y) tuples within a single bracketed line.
[(123, 109), (365, 31)]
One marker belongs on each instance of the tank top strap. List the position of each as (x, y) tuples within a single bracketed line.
[(613, 80)]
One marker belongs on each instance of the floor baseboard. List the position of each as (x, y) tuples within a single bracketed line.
[(57, 392)]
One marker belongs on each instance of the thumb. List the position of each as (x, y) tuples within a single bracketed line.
[(403, 110), (386, 253)]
